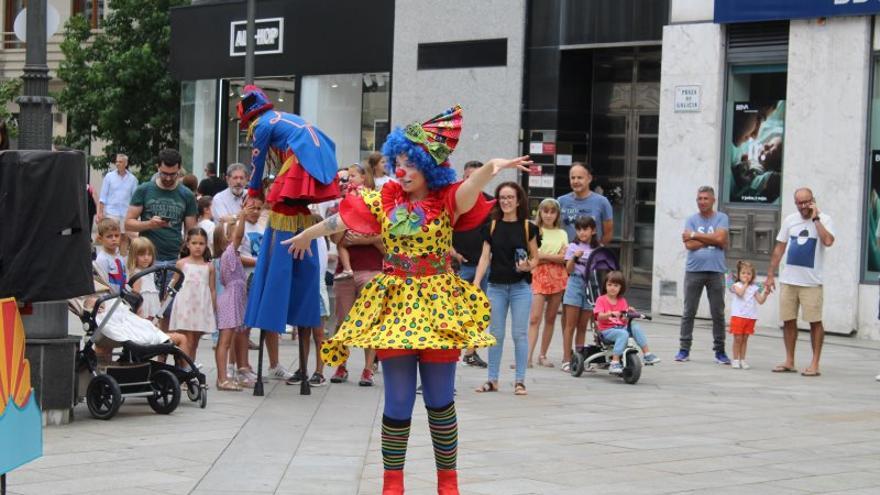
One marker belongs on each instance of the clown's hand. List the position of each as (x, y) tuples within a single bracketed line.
[(299, 246), (499, 164)]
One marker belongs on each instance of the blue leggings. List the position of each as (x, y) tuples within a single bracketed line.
[(438, 385)]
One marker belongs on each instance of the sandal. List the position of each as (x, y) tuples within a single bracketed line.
[(228, 386), (543, 361), (520, 389), (566, 367), (487, 387), (513, 366)]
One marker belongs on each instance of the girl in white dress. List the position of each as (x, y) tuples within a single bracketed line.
[(142, 255), (196, 303)]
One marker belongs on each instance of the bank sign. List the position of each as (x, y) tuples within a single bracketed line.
[(268, 35), (730, 11)]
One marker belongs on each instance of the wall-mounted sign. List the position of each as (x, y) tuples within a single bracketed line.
[(268, 35), (729, 11), (687, 99)]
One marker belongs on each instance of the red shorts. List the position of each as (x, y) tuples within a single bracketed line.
[(424, 355), (742, 326)]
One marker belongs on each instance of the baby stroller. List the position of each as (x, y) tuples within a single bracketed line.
[(598, 355), (112, 322)]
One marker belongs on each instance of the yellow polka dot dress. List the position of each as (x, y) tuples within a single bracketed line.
[(418, 302)]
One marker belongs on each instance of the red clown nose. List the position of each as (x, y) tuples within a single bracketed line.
[(399, 173)]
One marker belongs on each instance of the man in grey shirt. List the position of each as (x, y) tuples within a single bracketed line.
[(705, 237)]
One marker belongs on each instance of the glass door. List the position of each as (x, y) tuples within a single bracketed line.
[(624, 152)]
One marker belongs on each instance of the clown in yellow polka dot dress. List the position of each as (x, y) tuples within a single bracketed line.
[(418, 302), (418, 314)]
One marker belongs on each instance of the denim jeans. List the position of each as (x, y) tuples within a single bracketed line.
[(468, 273), (693, 289), (620, 336), (517, 298)]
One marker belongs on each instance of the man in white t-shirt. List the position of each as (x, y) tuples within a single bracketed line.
[(802, 239), (228, 202)]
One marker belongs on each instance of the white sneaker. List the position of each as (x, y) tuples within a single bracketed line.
[(231, 372), (745, 365), (735, 364), (877, 378), (279, 373), (247, 374)]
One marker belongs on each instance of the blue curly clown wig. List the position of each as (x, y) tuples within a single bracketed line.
[(437, 176)]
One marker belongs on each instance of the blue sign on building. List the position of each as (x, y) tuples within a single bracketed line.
[(729, 11)]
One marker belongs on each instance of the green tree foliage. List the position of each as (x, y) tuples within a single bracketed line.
[(9, 90), (117, 84)]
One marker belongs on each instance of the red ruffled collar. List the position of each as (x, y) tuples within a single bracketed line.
[(393, 196)]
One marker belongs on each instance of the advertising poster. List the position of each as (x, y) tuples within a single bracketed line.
[(754, 171), (873, 223)]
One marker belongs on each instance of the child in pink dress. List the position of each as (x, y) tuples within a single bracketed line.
[(231, 304)]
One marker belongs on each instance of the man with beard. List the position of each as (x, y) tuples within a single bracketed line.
[(229, 202), (162, 209)]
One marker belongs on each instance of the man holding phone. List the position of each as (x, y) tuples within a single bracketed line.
[(803, 238), (161, 209)]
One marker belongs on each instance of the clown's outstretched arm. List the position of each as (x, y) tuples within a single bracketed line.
[(300, 243), (466, 195)]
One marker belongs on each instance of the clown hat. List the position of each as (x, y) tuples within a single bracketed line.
[(428, 145), (253, 102)]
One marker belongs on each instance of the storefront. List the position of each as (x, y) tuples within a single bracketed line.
[(759, 98), (329, 61), (592, 90)]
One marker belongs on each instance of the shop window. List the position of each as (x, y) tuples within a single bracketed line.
[(93, 10), (872, 215)]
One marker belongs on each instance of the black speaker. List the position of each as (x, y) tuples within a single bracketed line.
[(45, 246)]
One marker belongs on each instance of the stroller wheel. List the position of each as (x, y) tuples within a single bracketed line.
[(577, 364), (166, 392), (633, 368), (204, 398), (103, 396), (193, 390)]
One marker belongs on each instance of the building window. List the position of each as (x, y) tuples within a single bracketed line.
[(13, 7), (872, 216), (93, 10)]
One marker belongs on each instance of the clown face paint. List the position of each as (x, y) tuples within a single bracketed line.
[(410, 178)]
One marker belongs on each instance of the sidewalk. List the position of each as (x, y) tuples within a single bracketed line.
[(692, 427)]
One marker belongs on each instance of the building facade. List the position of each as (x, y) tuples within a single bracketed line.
[(760, 101)]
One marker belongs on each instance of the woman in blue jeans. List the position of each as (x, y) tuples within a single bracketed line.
[(510, 251)]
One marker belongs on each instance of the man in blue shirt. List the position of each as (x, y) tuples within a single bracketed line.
[(581, 201), (116, 192), (705, 237)]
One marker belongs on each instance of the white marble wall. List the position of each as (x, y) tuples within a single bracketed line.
[(689, 144), (490, 96), (691, 11), (826, 121)]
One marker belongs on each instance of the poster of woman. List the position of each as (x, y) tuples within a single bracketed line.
[(754, 173)]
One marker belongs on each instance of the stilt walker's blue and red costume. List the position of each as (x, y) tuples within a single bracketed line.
[(284, 290)]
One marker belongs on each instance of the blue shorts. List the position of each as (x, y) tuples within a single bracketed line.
[(576, 293)]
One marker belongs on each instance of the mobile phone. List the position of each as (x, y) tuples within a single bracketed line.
[(520, 255), (166, 219)]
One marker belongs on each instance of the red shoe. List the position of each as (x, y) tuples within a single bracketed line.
[(392, 483), (366, 378), (447, 482)]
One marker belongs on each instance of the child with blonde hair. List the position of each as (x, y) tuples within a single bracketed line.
[(231, 304), (549, 278), (359, 177), (109, 262), (744, 311), (141, 256)]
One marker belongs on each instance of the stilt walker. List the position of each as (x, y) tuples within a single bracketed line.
[(418, 313), (284, 290)]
